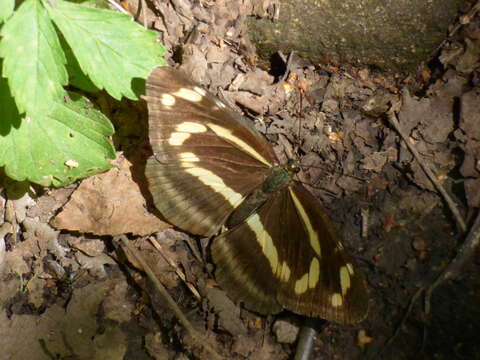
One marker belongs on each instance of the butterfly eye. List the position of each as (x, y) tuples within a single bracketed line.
[(293, 167)]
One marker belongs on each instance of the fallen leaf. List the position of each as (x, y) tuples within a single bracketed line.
[(228, 313), (109, 204)]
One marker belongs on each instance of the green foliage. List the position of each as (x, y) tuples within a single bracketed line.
[(34, 63), (47, 135), (6, 9)]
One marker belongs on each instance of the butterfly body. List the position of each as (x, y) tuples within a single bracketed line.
[(213, 173), (279, 177)]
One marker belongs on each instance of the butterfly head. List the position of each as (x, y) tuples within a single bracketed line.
[(293, 167)]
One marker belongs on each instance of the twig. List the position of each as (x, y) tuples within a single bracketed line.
[(11, 217), (465, 253), (179, 272), (365, 214), (194, 250), (198, 338), (392, 117), (119, 7), (143, 4), (412, 302), (288, 66), (465, 19)]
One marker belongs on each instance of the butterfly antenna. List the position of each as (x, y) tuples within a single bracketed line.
[(311, 166), (300, 117)]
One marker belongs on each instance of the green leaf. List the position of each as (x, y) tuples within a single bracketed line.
[(93, 3), (33, 58), (76, 77), (6, 9), (111, 49), (56, 148)]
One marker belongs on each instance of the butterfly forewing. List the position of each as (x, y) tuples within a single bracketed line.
[(174, 100), (206, 158)]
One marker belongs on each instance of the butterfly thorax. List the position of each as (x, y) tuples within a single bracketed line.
[(279, 177)]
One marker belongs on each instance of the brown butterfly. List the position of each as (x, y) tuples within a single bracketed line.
[(214, 174)]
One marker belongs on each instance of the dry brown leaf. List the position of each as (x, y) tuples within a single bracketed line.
[(228, 313), (109, 204)]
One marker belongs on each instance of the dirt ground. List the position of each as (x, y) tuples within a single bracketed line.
[(68, 292)]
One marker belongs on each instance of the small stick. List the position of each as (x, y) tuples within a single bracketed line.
[(193, 248), (198, 338), (412, 302), (364, 213), (465, 253), (143, 4), (392, 117), (179, 272), (288, 65), (11, 217), (119, 7), (465, 19)]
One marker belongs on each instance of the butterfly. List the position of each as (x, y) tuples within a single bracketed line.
[(213, 174)]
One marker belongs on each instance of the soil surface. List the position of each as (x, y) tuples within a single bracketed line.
[(68, 292)]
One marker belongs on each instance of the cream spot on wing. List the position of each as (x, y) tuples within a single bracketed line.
[(188, 94), (200, 90), (191, 127), (314, 273), (312, 234), (283, 272), (227, 135), (183, 132), (350, 268), (189, 157), (336, 300), (344, 279), (167, 100), (265, 241), (301, 285), (178, 138), (214, 182)]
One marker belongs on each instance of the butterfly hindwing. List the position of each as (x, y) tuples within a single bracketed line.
[(287, 255), (337, 293)]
